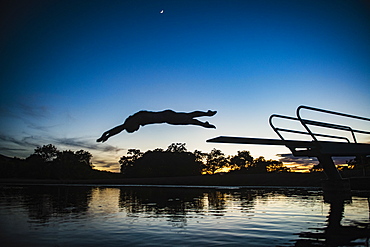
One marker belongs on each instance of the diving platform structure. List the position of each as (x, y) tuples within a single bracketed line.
[(344, 144)]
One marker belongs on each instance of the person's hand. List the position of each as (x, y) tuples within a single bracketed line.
[(103, 138)]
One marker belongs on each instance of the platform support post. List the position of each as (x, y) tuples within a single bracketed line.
[(328, 165), (334, 182)]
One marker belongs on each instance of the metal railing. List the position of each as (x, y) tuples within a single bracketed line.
[(306, 123)]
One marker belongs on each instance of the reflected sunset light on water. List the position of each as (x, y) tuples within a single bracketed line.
[(167, 216)]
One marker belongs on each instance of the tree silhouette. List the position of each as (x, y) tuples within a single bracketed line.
[(215, 161), (177, 148), (175, 161), (276, 166), (241, 161), (46, 152), (127, 162), (316, 168), (84, 157), (71, 164), (40, 164), (48, 162), (259, 165), (200, 157)]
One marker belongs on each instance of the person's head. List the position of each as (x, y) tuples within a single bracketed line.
[(131, 127)]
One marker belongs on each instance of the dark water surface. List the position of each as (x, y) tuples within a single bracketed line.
[(179, 216)]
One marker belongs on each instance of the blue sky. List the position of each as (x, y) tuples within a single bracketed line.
[(74, 69)]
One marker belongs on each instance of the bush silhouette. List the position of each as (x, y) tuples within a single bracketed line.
[(165, 164)]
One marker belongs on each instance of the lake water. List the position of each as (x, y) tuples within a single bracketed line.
[(179, 216)]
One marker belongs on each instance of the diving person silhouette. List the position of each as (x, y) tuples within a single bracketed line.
[(141, 118)]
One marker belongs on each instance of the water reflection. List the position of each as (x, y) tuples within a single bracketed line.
[(176, 204), (168, 202), (334, 233), (186, 216), (44, 202)]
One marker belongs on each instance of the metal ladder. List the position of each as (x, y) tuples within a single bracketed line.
[(323, 150)]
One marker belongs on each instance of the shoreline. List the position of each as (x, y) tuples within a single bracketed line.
[(269, 179), (281, 180)]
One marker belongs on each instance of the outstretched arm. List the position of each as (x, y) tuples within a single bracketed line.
[(111, 133)]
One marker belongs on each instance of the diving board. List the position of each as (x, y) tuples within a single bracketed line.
[(303, 148), (323, 150)]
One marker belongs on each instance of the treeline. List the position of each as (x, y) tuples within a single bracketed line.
[(176, 160), (47, 162)]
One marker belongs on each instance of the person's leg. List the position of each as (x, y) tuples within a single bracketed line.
[(203, 124), (195, 114), (191, 121)]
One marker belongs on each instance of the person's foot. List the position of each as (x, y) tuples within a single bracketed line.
[(208, 125), (211, 113)]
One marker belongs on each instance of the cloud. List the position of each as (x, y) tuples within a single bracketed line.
[(302, 161), (106, 166), (11, 149), (29, 142), (17, 146), (76, 142), (8, 139), (24, 146), (34, 111), (5, 112), (39, 127), (31, 116), (25, 111), (309, 161), (24, 142), (342, 160)]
